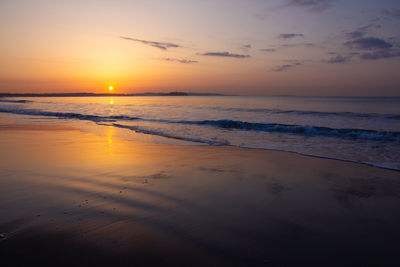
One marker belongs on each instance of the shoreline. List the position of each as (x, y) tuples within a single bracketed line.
[(322, 157), (265, 149)]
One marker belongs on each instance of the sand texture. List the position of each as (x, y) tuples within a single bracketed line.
[(72, 198)]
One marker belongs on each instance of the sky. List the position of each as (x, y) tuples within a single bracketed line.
[(244, 47)]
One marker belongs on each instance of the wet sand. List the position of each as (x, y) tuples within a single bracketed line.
[(69, 197)]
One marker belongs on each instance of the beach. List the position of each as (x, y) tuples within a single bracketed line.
[(72, 197), (199, 133)]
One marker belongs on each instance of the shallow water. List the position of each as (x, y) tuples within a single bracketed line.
[(359, 129)]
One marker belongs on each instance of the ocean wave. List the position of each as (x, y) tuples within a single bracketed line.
[(67, 115), (137, 129), (344, 114), (241, 133), (301, 129), (389, 166), (309, 112), (306, 130)]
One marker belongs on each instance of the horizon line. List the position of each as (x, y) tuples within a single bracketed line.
[(174, 93)]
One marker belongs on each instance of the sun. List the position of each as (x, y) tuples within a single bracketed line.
[(111, 88)]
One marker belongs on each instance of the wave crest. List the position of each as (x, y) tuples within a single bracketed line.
[(308, 130), (301, 129)]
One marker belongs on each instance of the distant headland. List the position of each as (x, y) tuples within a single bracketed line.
[(105, 94)]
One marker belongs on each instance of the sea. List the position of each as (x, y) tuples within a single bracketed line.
[(357, 129)]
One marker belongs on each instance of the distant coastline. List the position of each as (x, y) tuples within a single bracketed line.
[(105, 94), (174, 94)]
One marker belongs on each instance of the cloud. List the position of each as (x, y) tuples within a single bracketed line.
[(376, 48), (183, 61), (246, 47), (268, 50), (355, 34), (296, 45), (394, 13), (362, 31), (224, 54), (338, 59), (310, 45), (274, 49), (290, 35), (286, 67), (312, 5), (160, 45), (368, 43), (380, 54)]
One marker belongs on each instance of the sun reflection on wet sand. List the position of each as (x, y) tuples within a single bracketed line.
[(110, 133)]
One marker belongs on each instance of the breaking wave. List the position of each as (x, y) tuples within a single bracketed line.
[(301, 129), (67, 115), (308, 130)]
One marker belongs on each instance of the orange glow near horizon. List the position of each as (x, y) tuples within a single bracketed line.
[(131, 54)]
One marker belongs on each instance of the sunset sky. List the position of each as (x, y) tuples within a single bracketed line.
[(246, 47)]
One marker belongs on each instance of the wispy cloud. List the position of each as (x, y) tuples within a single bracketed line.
[(268, 50), (183, 61), (286, 67), (362, 31), (224, 54), (160, 45), (355, 34), (380, 54), (312, 5), (290, 35), (394, 13), (296, 45), (368, 43), (338, 59), (246, 47), (308, 5), (283, 46)]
